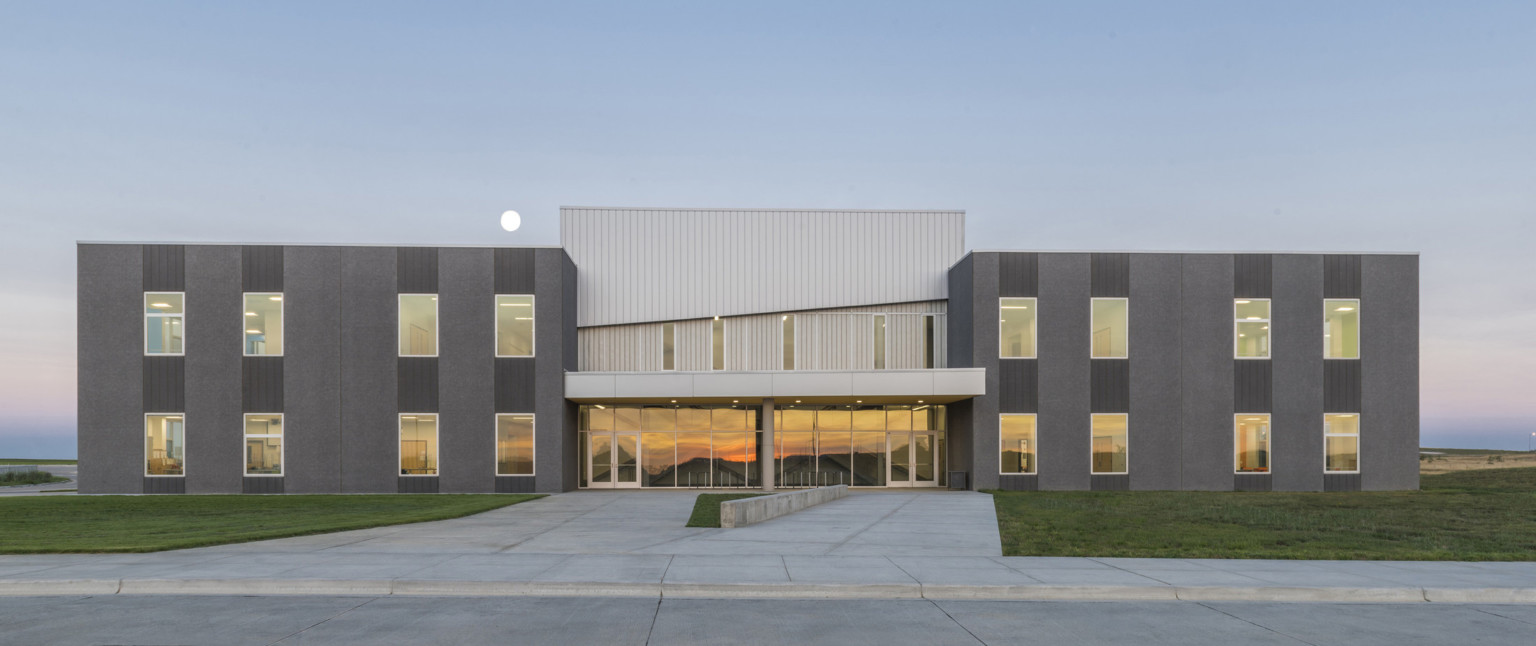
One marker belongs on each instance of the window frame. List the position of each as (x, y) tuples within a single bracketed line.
[(533, 328), (144, 332), (437, 434), (437, 325), (1127, 354), (1359, 331), (1269, 443), (1034, 341), (1035, 450), (1269, 348), (282, 322), (1355, 435), (282, 446), (1127, 417), (144, 441), (533, 447)]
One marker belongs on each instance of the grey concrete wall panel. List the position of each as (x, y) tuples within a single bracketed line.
[(1064, 421), (416, 270), (417, 484), (261, 384), (261, 268), (416, 378), (1253, 482), (1296, 314), (1207, 373), (570, 350), (1018, 275), (642, 265), (370, 431), (514, 271), (1252, 275), (554, 444), (466, 370), (262, 485), (961, 418), (1341, 385), (1252, 386), (1111, 275), (514, 379), (164, 267), (215, 434), (1155, 372), (1341, 276), (161, 485), (962, 333), (1389, 340), (110, 368), (1018, 386), (1109, 386), (165, 384), (312, 366)]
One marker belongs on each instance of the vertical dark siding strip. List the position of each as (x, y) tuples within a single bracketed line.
[(1018, 275), (1110, 382), (1110, 482), (266, 485), (165, 484), (1018, 386), (417, 270), (515, 385), (514, 271), (515, 484), (417, 484), (1018, 482), (1341, 276), (1341, 386), (1253, 276), (165, 384), (1253, 482), (1111, 275), (165, 268), (417, 385), (1341, 482), (1252, 386), (262, 384), (261, 268)]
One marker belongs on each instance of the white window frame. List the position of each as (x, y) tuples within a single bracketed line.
[(1269, 443), (144, 333), (1127, 354), (534, 447), (437, 325), (437, 433), (1359, 332), (1127, 417), (533, 328), (1358, 452), (1034, 342), (282, 322), (143, 441), (282, 450), (1270, 347), (1036, 448)]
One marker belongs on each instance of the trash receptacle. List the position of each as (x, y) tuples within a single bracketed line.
[(959, 480)]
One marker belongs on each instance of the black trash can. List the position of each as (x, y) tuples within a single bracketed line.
[(959, 480)]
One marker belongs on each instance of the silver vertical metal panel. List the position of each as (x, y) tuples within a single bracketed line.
[(1155, 419), (215, 434), (110, 367), (466, 370), (1389, 352), (1064, 424), (370, 422), (638, 265), (1206, 329), (554, 332), (1296, 339), (312, 369)]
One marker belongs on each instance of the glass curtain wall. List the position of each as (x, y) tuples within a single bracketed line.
[(828, 445), (683, 446)]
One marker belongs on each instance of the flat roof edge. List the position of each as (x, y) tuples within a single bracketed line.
[(753, 210), (318, 244)]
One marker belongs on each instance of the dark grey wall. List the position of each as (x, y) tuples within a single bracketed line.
[(1063, 344), (370, 432), (554, 439), (214, 337), (978, 451), (1155, 431), (1207, 368), (959, 348), (1389, 357), (466, 377), (312, 369), (1296, 314), (110, 362)]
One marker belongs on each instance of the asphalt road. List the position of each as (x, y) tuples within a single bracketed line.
[(148, 619)]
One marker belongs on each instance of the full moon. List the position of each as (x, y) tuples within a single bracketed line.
[(511, 220)]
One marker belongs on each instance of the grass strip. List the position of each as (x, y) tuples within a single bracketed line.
[(15, 461), (21, 478), (706, 510)]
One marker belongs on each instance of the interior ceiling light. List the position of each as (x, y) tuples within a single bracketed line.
[(250, 332), (275, 298), (250, 314), (1244, 302), (159, 304), (1345, 309)]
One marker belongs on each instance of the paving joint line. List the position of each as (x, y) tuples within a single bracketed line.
[(560, 524), (1490, 612), (910, 499), (957, 622), (1251, 623), (296, 632)]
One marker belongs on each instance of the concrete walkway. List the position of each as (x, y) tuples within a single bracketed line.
[(897, 545)]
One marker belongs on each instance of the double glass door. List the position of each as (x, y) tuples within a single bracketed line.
[(613, 460), (913, 459)]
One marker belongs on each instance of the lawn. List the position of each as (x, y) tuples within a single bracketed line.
[(706, 510), (44, 524), (1482, 515), (13, 461)]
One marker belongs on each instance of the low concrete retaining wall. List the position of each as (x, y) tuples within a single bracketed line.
[(740, 513)]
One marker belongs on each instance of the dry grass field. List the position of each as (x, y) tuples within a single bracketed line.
[(1453, 460)]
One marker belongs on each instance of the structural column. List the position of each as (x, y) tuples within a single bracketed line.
[(766, 452)]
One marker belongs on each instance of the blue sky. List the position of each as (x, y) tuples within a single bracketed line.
[(1397, 126)]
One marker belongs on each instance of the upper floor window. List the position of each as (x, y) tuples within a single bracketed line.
[(264, 444), (1250, 332), (164, 322), (1341, 437), (930, 348), (668, 347), (263, 325), (1251, 443), (717, 344), (1111, 323), (1016, 437), (879, 341), (1017, 328), (1341, 329), (514, 326), (418, 325), (164, 447), (788, 322)]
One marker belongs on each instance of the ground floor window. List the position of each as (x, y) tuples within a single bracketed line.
[(1341, 434), (1251, 443), (164, 448), (418, 444), (264, 444), (514, 445), (1016, 443), (1109, 443)]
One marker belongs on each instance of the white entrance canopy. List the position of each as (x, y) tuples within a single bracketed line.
[(810, 386)]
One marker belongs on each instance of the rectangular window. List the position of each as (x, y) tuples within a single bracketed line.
[(929, 349), (263, 325), (514, 326), (163, 445), (1017, 328), (1341, 435), (418, 325), (1016, 433), (668, 347), (264, 444), (717, 344), (1341, 329), (1250, 332), (789, 341), (1111, 322), (514, 445), (418, 444), (1109, 443), (879, 341), (164, 322), (1251, 443)]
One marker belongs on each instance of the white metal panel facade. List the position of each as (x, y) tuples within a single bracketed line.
[(637, 265)]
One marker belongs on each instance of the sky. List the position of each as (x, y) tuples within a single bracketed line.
[(1295, 126)]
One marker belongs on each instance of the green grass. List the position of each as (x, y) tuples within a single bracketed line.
[(1481, 515), (46, 524), (13, 461), (706, 510), (1472, 451), (18, 478)]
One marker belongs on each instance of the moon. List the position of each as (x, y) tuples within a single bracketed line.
[(511, 220)]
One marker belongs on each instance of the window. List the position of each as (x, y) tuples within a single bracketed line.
[(717, 344), (163, 445), (879, 341), (418, 325), (1341, 329), (1341, 435), (1016, 433), (418, 444), (1109, 443), (1250, 333), (1017, 328), (929, 349), (1110, 324), (789, 341), (1252, 443), (514, 326), (164, 322), (263, 325), (514, 445), (668, 347), (264, 444)]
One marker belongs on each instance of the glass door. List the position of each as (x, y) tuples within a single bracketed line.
[(913, 459), (613, 460)]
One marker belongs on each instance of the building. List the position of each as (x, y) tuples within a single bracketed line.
[(674, 347)]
